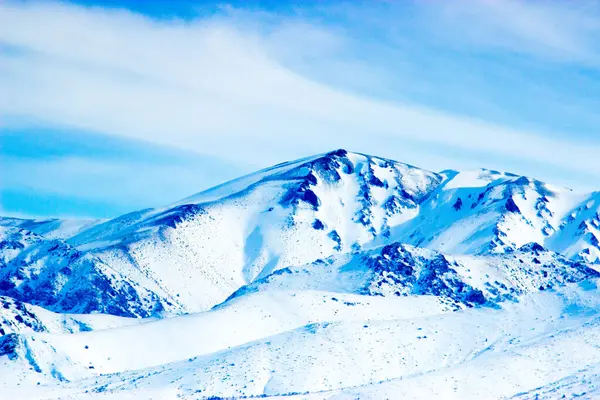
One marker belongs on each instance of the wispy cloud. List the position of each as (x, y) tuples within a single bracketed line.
[(57, 173), (114, 187), (258, 87), (560, 30), (131, 180)]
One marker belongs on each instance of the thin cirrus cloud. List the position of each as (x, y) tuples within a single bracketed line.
[(50, 172), (563, 31), (262, 86)]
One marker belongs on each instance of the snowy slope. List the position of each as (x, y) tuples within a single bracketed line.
[(340, 275), (413, 353), (196, 252), (383, 292), (202, 249), (19, 317), (457, 281), (53, 274), (482, 212), (298, 212), (578, 236)]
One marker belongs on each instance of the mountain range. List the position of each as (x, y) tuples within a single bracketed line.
[(340, 275)]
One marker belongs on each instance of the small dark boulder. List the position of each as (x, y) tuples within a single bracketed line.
[(458, 204), (317, 224), (511, 206)]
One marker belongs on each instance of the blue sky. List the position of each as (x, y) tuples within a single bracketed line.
[(112, 106)]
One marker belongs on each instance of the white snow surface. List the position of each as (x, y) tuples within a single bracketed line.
[(337, 276), (395, 348)]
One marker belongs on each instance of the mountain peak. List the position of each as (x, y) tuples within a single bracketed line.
[(328, 166), (341, 248)]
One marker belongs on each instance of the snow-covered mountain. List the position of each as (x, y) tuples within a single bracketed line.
[(481, 212), (336, 259), (53, 274), (195, 253), (456, 281)]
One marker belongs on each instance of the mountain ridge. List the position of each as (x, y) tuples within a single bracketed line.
[(296, 212), (336, 275)]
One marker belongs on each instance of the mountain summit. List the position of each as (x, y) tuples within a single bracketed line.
[(366, 257), (191, 255)]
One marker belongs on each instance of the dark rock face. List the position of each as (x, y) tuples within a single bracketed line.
[(397, 266), (311, 198), (511, 206), (318, 225), (54, 275), (404, 270), (458, 204), (533, 247), (176, 215), (9, 345), (333, 235), (330, 168), (327, 168), (397, 202), (14, 316)]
